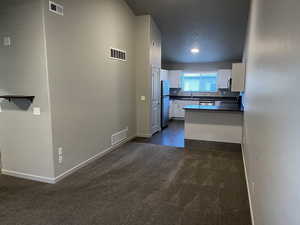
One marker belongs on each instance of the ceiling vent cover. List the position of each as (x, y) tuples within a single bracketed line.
[(56, 8), (118, 54)]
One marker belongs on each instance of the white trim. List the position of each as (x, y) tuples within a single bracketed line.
[(112, 58), (93, 158), (144, 135), (48, 86), (48, 180), (248, 186), (156, 131)]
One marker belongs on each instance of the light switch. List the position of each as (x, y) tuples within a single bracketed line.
[(7, 41), (143, 98), (36, 111)]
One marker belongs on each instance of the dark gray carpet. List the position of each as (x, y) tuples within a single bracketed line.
[(140, 184)]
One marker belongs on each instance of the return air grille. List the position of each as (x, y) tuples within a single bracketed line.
[(119, 137), (117, 54)]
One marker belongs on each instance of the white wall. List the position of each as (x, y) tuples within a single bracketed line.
[(92, 96), (155, 45), (25, 139), (143, 78), (272, 112), (213, 126), (85, 96)]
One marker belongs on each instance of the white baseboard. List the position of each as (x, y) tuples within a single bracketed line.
[(144, 135), (248, 186), (93, 158), (48, 180)]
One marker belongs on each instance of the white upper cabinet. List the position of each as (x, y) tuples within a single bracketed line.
[(223, 81), (238, 77), (175, 78), (164, 75)]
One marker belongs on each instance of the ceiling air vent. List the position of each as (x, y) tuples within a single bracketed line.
[(56, 8), (117, 54)]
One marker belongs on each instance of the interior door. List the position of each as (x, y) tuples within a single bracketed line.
[(156, 98)]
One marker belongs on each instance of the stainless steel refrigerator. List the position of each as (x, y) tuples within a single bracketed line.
[(165, 103)]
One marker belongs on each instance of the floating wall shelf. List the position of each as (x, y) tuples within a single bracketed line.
[(12, 97)]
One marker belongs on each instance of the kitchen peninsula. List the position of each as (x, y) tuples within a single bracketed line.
[(217, 122)]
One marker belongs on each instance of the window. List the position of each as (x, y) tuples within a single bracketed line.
[(200, 82)]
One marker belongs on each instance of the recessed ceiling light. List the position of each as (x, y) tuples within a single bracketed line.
[(195, 50)]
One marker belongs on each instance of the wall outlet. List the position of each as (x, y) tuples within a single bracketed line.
[(60, 151), (143, 98), (253, 187), (7, 41), (60, 155), (36, 111)]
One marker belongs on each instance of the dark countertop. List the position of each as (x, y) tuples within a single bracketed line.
[(221, 107), (203, 98), (212, 103)]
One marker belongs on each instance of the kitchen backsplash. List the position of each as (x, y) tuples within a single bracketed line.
[(220, 93)]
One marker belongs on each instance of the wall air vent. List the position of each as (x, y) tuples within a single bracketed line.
[(117, 54), (56, 8), (119, 137)]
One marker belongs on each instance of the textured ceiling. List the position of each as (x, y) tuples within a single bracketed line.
[(217, 27)]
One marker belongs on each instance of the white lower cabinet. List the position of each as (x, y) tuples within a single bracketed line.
[(171, 108), (176, 108), (178, 111)]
